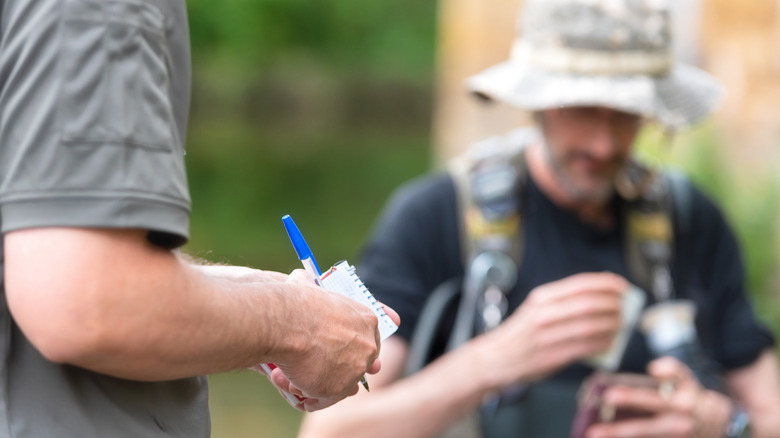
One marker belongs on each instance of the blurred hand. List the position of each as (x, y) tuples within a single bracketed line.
[(681, 408), (343, 345), (558, 323)]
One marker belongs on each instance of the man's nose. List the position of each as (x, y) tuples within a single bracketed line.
[(602, 142)]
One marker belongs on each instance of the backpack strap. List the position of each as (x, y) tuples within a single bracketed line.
[(654, 201), (429, 323), (682, 195), (489, 181)]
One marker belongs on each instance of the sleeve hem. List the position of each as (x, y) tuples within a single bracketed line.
[(745, 355), (168, 222)]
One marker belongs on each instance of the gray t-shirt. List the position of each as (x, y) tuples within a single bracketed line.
[(94, 97)]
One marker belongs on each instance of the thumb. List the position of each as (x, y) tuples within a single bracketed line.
[(669, 369), (391, 313)]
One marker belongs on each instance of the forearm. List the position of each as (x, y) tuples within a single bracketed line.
[(186, 323), (140, 312), (764, 416), (765, 423), (756, 388), (418, 406)]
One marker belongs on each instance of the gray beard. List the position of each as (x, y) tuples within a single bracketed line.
[(572, 189)]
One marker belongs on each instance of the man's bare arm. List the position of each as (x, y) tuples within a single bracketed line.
[(757, 388), (414, 407), (109, 301)]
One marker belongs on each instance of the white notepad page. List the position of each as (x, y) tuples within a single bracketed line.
[(343, 279)]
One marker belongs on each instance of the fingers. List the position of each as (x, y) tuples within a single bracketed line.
[(304, 403), (315, 404), (375, 367), (391, 313), (580, 306), (641, 399), (670, 369), (562, 322), (578, 316), (673, 407), (685, 391), (279, 380), (300, 276), (667, 426), (585, 325), (599, 330), (260, 369), (680, 398), (341, 345), (579, 298), (584, 283), (283, 385)]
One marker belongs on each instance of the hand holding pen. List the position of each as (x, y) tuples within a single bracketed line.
[(307, 260), (342, 334), (340, 343)]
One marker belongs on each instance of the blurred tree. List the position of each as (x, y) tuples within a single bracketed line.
[(317, 109)]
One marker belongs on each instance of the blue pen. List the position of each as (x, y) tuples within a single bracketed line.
[(306, 258), (302, 249)]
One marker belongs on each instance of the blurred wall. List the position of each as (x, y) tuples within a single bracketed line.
[(741, 46), (473, 35)]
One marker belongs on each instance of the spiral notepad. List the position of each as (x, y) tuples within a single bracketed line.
[(343, 279)]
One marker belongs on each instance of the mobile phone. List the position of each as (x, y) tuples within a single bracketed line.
[(591, 407)]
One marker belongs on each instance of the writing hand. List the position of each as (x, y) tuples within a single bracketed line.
[(341, 345)]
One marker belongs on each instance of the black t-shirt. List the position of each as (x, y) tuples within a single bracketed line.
[(415, 246)]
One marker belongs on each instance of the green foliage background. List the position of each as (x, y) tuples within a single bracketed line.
[(316, 109), (319, 110)]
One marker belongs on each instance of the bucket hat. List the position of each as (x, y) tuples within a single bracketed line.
[(611, 53)]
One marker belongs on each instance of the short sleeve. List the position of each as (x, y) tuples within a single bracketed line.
[(90, 120), (414, 247), (715, 278)]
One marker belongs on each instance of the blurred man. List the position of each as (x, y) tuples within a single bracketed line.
[(581, 221), (104, 329)]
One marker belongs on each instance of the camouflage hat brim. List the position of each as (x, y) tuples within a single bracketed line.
[(676, 99)]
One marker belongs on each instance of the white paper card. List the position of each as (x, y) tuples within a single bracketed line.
[(631, 307)]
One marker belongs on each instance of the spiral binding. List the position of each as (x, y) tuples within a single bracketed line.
[(377, 308)]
